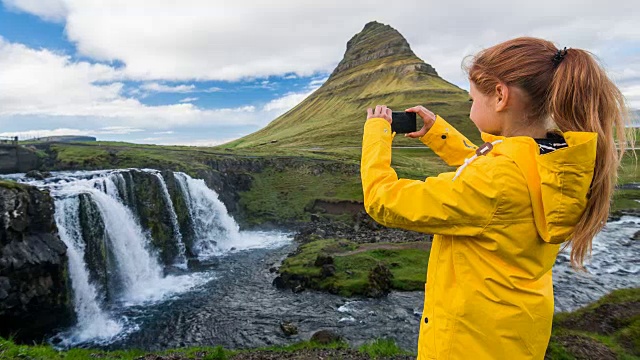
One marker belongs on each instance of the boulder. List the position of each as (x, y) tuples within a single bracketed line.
[(323, 259), (288, 328), (379, 281), (325, 337)]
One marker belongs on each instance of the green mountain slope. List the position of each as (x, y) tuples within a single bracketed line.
[(378, 67)]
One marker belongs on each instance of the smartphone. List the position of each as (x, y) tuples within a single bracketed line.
[(403, 122)]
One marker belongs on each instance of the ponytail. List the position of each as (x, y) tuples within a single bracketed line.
[(573, 90), (583, 98)]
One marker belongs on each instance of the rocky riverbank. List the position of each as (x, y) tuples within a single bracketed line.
[(608, 329)]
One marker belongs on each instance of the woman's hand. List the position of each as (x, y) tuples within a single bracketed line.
[(428, 118), (381, 112)]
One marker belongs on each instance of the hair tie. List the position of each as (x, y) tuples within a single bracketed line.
[(557, 58)]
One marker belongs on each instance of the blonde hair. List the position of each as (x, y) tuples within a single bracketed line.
[(577, 95)]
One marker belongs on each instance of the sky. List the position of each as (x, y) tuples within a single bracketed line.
[(198, 72)]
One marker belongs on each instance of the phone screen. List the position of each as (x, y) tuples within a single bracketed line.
[(403, 122)]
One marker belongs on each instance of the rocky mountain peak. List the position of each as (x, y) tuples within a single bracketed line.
[(376, 41)]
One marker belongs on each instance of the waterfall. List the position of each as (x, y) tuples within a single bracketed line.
[(93, 322), (110, 187), (137, 267), (215, 230), (115, 263), (182, 258)]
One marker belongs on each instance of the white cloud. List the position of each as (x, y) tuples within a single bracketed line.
[(52, 10), (318, 82), (45, 90), (215, 43), (283, 104), (30, 134), (40, 83), (118, 130), (157, 87), (632, 95), (112, 130)]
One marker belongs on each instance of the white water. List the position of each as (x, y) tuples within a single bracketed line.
[(138, 269), (93, 322), (216, 232), (181, 260), (615, 264)]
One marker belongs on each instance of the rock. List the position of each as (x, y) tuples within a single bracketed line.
[(279, 282), (273, 269), (636, 236), (298, 289), (150, 204), (288, 328), (320, 232), (201, 264), (325, 337), (323, 259), (379, 281), (18, 159), (34, 287), (327, 270), (35, 174)]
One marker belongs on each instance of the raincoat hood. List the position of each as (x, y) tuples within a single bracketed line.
[(558, 181)]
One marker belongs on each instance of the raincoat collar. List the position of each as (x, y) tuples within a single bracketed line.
[(548, 177)]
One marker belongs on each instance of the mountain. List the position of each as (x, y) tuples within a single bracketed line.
[(378, 67)]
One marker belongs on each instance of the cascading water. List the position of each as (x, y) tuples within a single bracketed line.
[(114, 263), (214, 229), (181, 260), (137, 267), (93, 322)]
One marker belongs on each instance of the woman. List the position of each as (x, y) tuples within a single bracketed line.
[(544, 177)]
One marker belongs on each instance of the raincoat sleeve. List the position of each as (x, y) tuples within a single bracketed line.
[(438, 205), (448, 143)]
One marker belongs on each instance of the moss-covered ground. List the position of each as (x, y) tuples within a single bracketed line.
[(353, 263)]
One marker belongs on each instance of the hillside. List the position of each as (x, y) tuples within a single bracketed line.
[(378, 67)]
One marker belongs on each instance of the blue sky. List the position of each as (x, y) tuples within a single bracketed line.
[(206, 72)]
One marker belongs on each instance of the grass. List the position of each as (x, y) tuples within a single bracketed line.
[(382, 347), (408, 266), (625, 199), (10, 184), (285, 196), (625, 342), (10, 351)]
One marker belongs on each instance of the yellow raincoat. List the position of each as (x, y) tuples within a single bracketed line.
[(497, 226)]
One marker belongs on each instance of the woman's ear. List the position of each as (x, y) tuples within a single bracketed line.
[(502, 97)]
